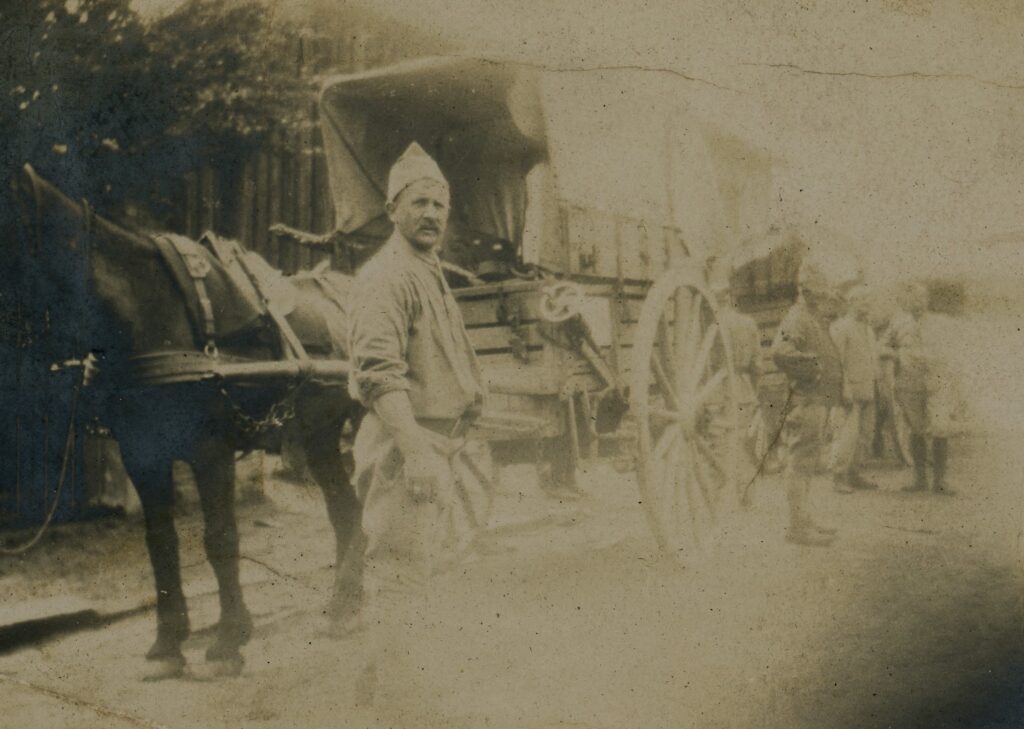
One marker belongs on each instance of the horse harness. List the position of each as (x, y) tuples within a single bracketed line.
[(198, 267), (180, 367), (191, 265)]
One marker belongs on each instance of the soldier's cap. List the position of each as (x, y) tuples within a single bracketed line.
[(414, 164)]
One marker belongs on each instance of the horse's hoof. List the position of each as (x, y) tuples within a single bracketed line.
[(164, 668)]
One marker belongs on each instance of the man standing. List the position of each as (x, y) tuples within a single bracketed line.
[(916, 379), (804, 352), (855, 340), (415, 371)]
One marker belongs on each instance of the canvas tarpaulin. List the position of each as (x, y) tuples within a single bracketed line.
[(619, 144), (462, 112)]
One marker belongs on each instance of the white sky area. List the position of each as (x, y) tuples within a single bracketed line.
[(897, 122)]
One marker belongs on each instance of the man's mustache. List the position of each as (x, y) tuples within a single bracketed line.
[(434, 227)]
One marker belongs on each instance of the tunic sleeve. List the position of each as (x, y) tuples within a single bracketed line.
[(383, 309)]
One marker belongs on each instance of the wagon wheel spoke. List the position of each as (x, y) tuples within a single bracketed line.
[(708, 454), (708, 389), (694, 319), (667, 439), (688, 328), (662, 358), (698, 366), (704, 480), (665, 384)]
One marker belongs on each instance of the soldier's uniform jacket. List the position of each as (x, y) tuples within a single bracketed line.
[(803, 350), (406, 333), (858, 354), (904, 337)]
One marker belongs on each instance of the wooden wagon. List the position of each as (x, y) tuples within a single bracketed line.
[(584, 299)]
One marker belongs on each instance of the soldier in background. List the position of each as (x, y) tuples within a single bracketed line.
[(858, 353), (925, 390), (804, 352)]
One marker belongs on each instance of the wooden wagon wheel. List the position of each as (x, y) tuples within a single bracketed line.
[(684, 400)]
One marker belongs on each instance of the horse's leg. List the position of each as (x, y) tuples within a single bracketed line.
[(332, 471), (154, 484), (214, 467)]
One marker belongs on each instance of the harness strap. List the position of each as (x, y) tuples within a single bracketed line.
[(223, 248), (198, 268)]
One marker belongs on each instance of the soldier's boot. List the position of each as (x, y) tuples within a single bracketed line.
[(801, 529), (919, 454), (940, 455)]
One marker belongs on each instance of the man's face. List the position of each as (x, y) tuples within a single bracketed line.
[(420, 213), (825, 305)]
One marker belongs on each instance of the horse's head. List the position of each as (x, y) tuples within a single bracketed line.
[(86, 283)]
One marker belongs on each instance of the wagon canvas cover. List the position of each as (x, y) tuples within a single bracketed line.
[(621, 146)]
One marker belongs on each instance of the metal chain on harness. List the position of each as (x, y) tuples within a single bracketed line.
[(279, 413)]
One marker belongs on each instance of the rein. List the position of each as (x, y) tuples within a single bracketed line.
[(69, 440), (69, 446)]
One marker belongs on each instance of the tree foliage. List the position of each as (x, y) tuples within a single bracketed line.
[(111, 107)]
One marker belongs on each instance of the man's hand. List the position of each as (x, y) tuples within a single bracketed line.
[(426, 453), (425, 470)]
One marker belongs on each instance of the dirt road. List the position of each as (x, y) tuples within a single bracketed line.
[(911, 619)]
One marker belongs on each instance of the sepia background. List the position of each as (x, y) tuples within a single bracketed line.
[(889, 132)]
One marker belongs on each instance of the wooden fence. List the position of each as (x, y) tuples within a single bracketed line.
[(286, 180)]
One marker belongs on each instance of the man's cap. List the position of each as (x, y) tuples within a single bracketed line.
[(414, 164)]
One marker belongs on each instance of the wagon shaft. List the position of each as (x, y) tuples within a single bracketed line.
[(177, 367)]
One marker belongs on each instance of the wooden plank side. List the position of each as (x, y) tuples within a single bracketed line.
[(499, 337), (480, 307)]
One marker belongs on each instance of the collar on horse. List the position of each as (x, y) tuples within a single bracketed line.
[(197, 265), (216, 278)]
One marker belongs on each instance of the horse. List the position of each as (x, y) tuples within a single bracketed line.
[(120, 296)]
